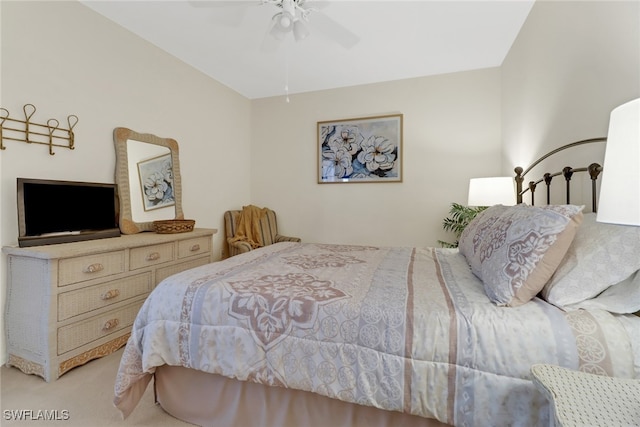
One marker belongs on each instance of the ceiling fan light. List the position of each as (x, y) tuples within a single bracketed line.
[(285, 21), (300, 30), (277, 32)]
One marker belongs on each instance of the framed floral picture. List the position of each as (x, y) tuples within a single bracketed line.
[(367, 149), (156, 182)]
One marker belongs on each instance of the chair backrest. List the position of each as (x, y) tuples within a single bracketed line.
[(268, 225)]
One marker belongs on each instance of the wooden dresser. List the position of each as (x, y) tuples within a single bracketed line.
[(73, 302)]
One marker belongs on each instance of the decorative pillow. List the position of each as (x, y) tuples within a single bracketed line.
[(600, 256), (522, 248), (474, 232)]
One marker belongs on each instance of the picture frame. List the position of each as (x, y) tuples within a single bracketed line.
[(156, 182), (365, 149)]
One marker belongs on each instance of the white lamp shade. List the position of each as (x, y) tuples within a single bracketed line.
[(300, 30), (619, 201), (277, 32), (284, 21), (497, 190)]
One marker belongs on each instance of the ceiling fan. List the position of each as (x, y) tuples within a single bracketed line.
[(294, 17)]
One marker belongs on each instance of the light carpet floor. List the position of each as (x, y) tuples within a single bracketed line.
[(86, 392)]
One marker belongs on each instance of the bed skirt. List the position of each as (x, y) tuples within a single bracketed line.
[(212, 400)]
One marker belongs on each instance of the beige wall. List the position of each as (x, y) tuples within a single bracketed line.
[(571, 64), (451, 133), (66, 59)]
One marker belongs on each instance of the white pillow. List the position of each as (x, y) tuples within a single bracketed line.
[(600, 256), (623, 297)]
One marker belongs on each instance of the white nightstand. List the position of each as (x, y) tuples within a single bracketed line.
[(581, 399)]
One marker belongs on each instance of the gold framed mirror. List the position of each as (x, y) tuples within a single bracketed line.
[(148, 178)]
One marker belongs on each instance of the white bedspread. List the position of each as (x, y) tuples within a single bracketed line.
[(403, 329)]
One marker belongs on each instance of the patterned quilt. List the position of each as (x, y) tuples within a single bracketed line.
[(402, 329)]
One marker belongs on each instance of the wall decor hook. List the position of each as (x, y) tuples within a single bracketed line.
[(4, 113), (26, 130)]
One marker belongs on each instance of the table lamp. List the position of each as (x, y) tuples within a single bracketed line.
[(497, 190), (619, 201)]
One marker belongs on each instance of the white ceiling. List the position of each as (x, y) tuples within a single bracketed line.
[(397, 40)]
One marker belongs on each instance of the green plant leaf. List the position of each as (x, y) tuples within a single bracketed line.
[(459, 217)]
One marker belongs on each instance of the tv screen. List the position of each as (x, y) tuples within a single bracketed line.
[(65, 211)]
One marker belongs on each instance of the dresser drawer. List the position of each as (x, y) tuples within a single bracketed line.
[(151, 255), (191, 247), (92, 298), (79, 269), (84, 332), (164, 272)]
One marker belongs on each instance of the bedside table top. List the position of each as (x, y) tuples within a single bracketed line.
[(580, 399)]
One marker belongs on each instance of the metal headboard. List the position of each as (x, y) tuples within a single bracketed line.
[(594, 170)]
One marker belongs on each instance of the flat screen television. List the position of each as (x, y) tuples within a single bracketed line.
[(52, 211)]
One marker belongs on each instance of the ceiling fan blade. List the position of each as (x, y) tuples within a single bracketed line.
[(313, 4), (332, 29)]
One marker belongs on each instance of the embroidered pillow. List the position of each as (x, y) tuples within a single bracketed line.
[(601, 256), (473, 235), (521, 250)]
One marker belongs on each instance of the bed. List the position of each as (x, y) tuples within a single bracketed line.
[(318, 334)]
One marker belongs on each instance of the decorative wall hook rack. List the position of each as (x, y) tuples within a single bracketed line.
[(34, 133)]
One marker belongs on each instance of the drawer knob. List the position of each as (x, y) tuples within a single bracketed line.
[(195, 248), (110, 324), (153, 256), (94, 268), (111, 293)]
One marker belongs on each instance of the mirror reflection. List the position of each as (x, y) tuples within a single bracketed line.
[(152, 192), (148, 178)]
